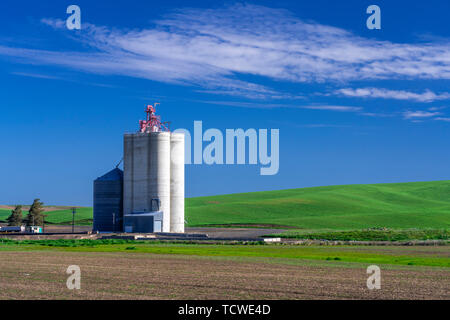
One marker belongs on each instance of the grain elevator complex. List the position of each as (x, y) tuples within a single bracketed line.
[(148, 195)]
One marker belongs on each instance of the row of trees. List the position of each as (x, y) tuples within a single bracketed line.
[(35, 216)]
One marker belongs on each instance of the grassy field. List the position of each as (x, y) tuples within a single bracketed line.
[(370, 235), (125, 269), (398, 206), (422, 205), (424, 256), (139, 270)]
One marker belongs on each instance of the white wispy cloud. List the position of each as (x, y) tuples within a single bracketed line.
[(377, 114), (211, 48), (426, 96), (35, 75), (323, 125), (436, 108), (442, 119), (419, 114), (60, 78), (310, 125), (55, 23), (254, 105), (334, 108)]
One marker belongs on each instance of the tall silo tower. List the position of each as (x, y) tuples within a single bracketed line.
[(177, 182), (154, 172)]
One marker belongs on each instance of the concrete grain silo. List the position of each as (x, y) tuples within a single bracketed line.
[(177, 182), (146, 166), (154, 174), (148, 196)]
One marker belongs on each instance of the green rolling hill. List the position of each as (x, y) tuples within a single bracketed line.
[(423, 205), (399, 206)]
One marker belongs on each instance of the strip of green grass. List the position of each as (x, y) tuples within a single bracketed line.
[(370, 235), (372, 255)]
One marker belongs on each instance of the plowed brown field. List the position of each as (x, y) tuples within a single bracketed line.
[(109, 275)]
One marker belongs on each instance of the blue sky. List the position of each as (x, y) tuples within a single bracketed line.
[(353, 105)]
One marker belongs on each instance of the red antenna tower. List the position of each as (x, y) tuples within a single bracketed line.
[(153, 122)]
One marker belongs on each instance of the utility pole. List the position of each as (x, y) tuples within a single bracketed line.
[(74, 210)]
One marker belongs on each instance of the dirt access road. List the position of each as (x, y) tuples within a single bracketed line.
[(211, 232), (129, 275), (235, 232)]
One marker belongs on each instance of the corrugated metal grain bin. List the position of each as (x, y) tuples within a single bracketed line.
[(108, 202)]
